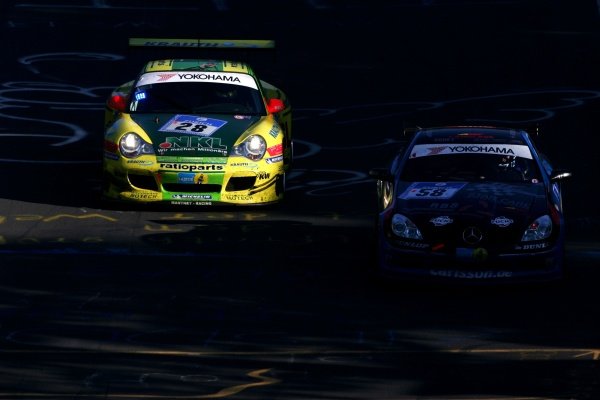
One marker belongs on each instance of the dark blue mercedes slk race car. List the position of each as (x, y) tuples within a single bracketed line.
[(470, 204)]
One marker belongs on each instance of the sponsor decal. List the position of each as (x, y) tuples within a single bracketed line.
[(501, 222), (227, 78), (237, 197), (191, 197), (478, 254), (192, 203), (261, 175), (432, 190), (190, 160), (441, 220), (191, 178), (208, 77), (435, 150), (164, 77), (161, 64), (533, 246), (556, 190), (192, 143), (219, 43), (424, 150), (191, 167), (450, 273), (192, 125), (504, 201), (140, 162), (144, 195), (208, 65), (243, 164), (200, 179), (274, 131), (275, 150), (444, 206), (438, 247), (185, 177), (274, 160), (414, 245)]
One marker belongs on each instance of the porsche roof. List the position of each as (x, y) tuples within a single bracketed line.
[(204, 65)]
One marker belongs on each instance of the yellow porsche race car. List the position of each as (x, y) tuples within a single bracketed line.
[(197, 132)]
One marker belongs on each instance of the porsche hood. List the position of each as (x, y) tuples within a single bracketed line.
[(207, 135)]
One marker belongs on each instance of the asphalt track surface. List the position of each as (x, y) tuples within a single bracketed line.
[(100, 303)]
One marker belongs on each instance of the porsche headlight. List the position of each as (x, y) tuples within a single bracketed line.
[(539, 229), (132, 145), (405, 228), (253, 147)]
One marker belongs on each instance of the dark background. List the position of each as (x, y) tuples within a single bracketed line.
[(278, 304)]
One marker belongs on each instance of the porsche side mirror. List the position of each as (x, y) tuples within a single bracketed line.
[(117, 102), (275, 105)]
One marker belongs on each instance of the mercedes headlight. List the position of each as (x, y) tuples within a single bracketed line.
[(405, 228), (539, 229)]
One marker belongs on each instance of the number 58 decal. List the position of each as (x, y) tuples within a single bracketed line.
[(432, 190)]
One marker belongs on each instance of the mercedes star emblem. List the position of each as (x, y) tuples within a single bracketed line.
[(472, 235)]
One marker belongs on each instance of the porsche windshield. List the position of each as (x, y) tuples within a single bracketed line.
[(196, 97)]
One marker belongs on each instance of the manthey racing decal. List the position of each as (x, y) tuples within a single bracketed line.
[(425, 150), (192, 125), (432, 190)]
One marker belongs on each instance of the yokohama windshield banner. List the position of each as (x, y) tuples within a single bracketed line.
[(232, 78), (424, 150)]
